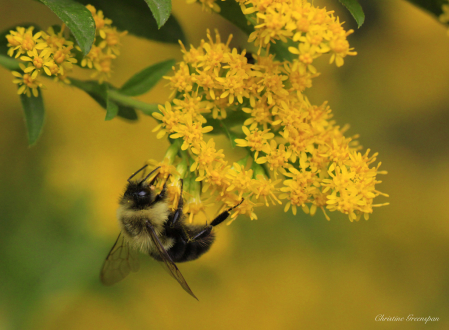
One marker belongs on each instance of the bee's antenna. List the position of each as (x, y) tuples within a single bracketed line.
[(145, 179), (132, 176)]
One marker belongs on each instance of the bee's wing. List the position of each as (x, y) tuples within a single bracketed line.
[(168, 262), (120, 261)]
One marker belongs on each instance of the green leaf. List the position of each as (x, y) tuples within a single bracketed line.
[(432, 6), (145, 80), (77, 18), (127, 113), (33, 108), (231, 11), (161, 10), (100, 94), (111, 107), (9, 63), (355, 9), (135, 17)]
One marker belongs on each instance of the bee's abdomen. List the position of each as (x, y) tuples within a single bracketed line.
[(182, 250)]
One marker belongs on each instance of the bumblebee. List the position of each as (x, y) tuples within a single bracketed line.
[(147, 224)]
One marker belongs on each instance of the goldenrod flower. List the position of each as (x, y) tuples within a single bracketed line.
[(214, 176), (101, 23), (55, 40), (205, 155), (100, 61), (255, 139), (103, 66), (277, 157), (111, 41), (23, 41), (28, 82), (169, 119), (195, 205), (105, 47), (265, 188), (181, 80), (298, 77), (297, 196), (246, 208), (38, 61), (52, 53), (340, 47), (260, 114), (231, 200), (285, 135), (191, 132), (240, 179), (193, 105)]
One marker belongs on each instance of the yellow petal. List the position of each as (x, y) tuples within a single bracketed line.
[(160, 134), (21, 89)]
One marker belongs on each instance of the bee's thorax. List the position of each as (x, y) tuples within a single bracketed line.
[(133, 224)]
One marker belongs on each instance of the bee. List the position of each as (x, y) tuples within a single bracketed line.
[(149, 225)]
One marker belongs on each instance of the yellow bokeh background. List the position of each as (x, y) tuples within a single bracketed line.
[(58, 199)]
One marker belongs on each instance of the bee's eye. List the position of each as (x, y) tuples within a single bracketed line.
[(142, 193)]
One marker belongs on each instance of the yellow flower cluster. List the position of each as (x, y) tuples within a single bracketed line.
[(44, 52), (287, 138), (314, 31), (51, 53), (105, 47)]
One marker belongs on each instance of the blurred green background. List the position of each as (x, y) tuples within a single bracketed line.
[(58, 199)]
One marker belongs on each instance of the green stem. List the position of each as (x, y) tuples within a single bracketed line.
[(9, 63), (173, 150), (147, 108)]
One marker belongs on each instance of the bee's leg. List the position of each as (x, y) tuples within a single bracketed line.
[(178, 213), (163, 192), (224, 215), (219, 219)]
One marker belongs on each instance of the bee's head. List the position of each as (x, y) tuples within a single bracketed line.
[(139, 194)]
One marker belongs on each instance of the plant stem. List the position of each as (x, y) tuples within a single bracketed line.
[(147, 108)]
